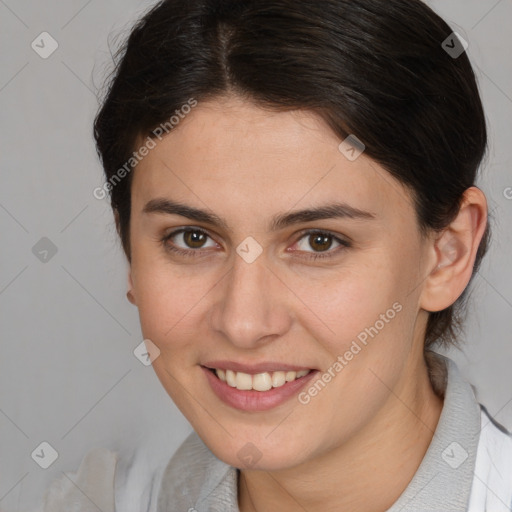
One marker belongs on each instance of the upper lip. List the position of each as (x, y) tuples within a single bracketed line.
[(252, 369)]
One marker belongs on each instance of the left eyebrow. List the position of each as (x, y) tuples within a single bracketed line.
[(280, 221), (329, 211)]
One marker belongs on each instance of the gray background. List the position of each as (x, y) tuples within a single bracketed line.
[(68, 375)]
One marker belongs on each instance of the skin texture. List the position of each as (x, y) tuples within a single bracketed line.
[(370, 427)]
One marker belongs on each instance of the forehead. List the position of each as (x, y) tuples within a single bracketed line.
[(230, 152)]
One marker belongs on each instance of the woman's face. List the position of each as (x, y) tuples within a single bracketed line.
[(246, 288)]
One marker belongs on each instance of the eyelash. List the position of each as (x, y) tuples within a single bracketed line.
[(313, 256)]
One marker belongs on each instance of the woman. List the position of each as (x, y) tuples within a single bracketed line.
[(293, 184)]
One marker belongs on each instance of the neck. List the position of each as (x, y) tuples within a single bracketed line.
[(383, 458)]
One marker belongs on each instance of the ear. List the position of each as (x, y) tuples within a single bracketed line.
[(454, 252), (129, 294), (118, 224)]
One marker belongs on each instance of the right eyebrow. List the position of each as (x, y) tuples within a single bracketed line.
[(166, 206)]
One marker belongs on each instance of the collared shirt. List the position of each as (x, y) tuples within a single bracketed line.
[(467, 468), (196, 479)]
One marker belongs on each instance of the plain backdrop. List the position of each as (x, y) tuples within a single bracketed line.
[(68, 375)]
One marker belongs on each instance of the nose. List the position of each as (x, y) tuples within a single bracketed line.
[(251, 308)]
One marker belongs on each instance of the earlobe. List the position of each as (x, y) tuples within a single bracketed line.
[(129, 293), (456, 250), (117, 221)]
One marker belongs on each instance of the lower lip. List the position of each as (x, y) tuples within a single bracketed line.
[(252, 400)]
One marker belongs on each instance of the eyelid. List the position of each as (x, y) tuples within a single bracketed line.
[(320, 231), (344, 244), (186, 229)]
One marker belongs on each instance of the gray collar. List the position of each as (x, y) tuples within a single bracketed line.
[(445, 476), (196, 479)]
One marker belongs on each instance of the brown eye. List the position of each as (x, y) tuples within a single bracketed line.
[(320, 242), (194, 239), (187, 242)]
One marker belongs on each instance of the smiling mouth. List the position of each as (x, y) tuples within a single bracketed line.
[(258, 382)]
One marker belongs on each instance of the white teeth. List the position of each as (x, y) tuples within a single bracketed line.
[(290, 376), (243, 381), (260, 381), (278, 379), (231, 378)]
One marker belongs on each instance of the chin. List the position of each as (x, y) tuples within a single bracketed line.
[(258, 453)]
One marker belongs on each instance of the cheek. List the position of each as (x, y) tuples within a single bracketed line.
[(348, 299), (170, 300), (364, 313), (335, 305)]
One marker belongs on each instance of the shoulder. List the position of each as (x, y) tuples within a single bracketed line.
[(93, 482), (126, 480), (492, 485), (192, 462), (138, 476), (195, 477)]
